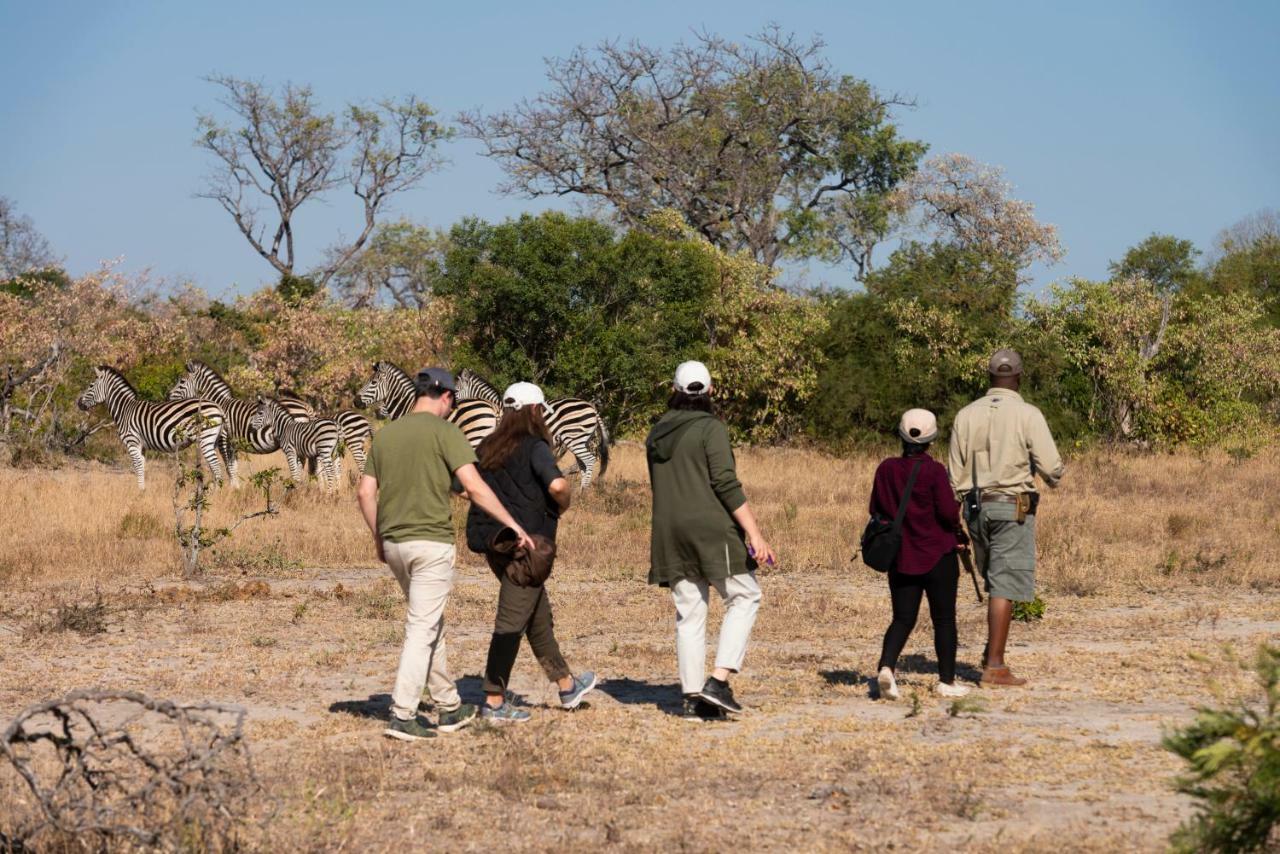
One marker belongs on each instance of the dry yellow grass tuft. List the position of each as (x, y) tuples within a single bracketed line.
[(1144, 561)]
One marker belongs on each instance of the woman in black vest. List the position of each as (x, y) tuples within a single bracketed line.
[(517, 463)]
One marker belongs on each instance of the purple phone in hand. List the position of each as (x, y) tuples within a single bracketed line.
[(751, 551)]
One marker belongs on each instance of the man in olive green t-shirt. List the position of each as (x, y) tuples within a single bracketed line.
[(404, 497)]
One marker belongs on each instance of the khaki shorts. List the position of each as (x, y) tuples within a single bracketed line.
[(1005, 551)]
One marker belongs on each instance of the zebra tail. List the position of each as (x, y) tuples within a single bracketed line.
[(602, 433)]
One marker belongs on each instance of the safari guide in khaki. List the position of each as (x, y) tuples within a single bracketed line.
[(999, 443)]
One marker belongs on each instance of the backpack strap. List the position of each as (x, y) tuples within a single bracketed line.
[(906, 497)]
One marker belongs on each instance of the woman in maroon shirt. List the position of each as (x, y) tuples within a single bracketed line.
[(927, 565)]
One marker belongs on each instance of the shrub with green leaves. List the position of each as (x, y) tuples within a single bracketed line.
[(1029, 611), (1233, 758)]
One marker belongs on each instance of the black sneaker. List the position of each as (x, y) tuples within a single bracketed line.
[(718, 693), (698, 710), (455, 719)]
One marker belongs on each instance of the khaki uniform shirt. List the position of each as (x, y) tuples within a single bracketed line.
[(1003, 436)]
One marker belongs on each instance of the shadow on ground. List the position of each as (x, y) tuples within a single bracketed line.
[(665, 696)]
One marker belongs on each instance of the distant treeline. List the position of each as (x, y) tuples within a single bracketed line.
[(1165, 352)]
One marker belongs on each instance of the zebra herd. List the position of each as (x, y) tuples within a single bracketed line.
[(202, 408)]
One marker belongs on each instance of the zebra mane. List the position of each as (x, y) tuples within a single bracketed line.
[(485, 390), (396, 370), (116, 373), (202, 368)]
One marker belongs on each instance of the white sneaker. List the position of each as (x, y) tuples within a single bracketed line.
[(952, 690), (888, 685)]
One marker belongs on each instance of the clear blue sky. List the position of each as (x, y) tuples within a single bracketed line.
[(1116, 119)]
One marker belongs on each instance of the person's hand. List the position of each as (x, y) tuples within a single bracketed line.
[(523, 540), (962, 547), (759, 549)]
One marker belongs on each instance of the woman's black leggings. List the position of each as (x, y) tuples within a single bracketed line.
[(939, 585)]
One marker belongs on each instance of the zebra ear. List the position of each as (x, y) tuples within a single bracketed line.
[(190, 366)]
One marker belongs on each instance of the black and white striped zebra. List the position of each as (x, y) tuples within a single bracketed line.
[(146, 426), (299, 440), (575, 424), (393, 392), (200, 380)]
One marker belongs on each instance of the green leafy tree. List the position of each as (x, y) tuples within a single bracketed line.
[(1165, 370), (1164, 260), (1247, 260), (564, 302), (401, 266)]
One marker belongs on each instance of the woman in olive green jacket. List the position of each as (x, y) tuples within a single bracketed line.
[(704, 535)]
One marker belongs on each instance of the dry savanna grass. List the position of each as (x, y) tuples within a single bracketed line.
[(1150, 567)]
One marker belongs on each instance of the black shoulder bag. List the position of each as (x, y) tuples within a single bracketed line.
[(882, 540)]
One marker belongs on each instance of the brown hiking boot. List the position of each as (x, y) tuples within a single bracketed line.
[(1000, 677)]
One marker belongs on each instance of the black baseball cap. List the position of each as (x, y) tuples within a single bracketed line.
[(434, 379)]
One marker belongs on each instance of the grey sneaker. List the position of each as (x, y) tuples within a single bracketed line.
[(411, 730), (456, 719), (504, 714), (572, 698)]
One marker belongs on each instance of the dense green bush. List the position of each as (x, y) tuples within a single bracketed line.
[(1233, 769)]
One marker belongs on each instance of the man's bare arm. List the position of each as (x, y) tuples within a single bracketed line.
[(367, 498)]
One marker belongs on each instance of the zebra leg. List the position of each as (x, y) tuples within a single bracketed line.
[(581, 451), (358, 453), (291, 457), (229, 460), (334, 465), (138, 463), (209, 440)]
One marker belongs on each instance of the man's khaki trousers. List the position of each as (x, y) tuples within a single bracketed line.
[(425, 572)]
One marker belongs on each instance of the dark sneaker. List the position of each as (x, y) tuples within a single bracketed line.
[(572, 698), (411, 730), (698, 710), (454, 720), (718, 693), (504, 714)]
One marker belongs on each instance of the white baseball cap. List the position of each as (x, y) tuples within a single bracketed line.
[(693, 378), (519, 395), (918, 426)]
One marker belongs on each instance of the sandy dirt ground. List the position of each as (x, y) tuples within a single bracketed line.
[(1072, 762)]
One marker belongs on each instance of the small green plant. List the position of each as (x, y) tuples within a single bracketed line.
[(299, 611), (917, 703), (191, 502), (1240, 454), (1029, 612), (263, 642), (967, 705), (1233, 759), (791, 512), (137, 525)]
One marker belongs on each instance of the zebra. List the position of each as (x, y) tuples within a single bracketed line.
[(299, 440), (393, 392), (200, 380), (575, 424), (143, 425), (357, 432)]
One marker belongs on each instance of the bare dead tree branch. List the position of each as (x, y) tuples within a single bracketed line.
[(122, 766)]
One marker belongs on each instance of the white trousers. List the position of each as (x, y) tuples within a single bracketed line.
[(425, 572), (741, 596)]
